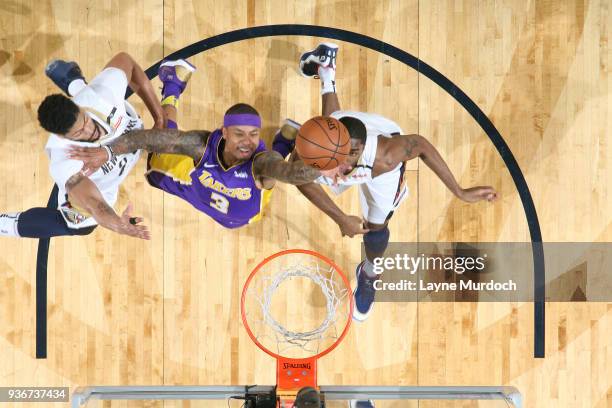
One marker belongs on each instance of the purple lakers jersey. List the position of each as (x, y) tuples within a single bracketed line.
[(228, 195)]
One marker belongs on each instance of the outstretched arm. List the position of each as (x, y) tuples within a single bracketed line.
[(140, 84), (272, 165), (349, 224), (411, 146), (84, 193), (190, 143)]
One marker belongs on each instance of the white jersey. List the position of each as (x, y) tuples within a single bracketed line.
[(104, 101), (376, 126), (381, 195)]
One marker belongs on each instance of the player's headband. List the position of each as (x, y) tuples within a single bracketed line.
[(242, 119)]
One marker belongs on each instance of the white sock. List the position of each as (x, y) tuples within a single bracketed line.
[(75, 86), (368, 269), (8, 224), (328, 80)]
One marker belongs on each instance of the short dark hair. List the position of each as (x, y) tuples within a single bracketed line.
[(57, 114), (241, 108), (355, 127), (307, 397)]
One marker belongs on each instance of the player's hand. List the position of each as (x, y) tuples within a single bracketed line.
[(92, 157), (475, 194), (352, 225), (338, 173), (129, 225)]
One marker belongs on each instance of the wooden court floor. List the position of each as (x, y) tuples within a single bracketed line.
[(123, 311)]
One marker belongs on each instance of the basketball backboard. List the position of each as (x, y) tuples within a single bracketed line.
[(331, 396)]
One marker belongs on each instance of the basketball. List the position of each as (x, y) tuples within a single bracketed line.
[(323, 142)]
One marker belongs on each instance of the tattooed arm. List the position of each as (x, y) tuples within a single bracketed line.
[(272, 165), (84, 194), (408, 147), (190, 143)]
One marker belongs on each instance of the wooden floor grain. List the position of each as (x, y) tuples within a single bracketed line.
[(122, 311)]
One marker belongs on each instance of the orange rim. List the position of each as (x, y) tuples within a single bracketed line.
[(298, 251)]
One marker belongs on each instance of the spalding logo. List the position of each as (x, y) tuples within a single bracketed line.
[(300, 365), (330, 124)]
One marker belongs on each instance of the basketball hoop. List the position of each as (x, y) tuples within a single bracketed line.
[(287, 281)]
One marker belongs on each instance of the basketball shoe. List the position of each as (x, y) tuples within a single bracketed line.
[(323, 56), (363, 295), (289, 129), (62, 73), (174, 76)]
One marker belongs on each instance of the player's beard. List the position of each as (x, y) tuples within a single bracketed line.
[(97, 133)]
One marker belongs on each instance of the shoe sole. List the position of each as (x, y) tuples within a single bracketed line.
[(357, 315), (62, 80), (327, 44), (292, 123), (51, 65), (180, 62), (293, 131)]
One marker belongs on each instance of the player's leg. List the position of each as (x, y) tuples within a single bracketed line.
[(321, 63), (284, 139), (170, 113), (378, 202), (375, 243), (66, 75), (39, 222), (330, 102), (174, 76)]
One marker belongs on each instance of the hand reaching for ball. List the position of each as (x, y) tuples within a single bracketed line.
[(338, 173)]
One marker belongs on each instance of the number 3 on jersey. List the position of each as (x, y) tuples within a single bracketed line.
[(219, 203)]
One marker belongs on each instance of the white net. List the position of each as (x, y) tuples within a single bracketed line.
[(297, 305)]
